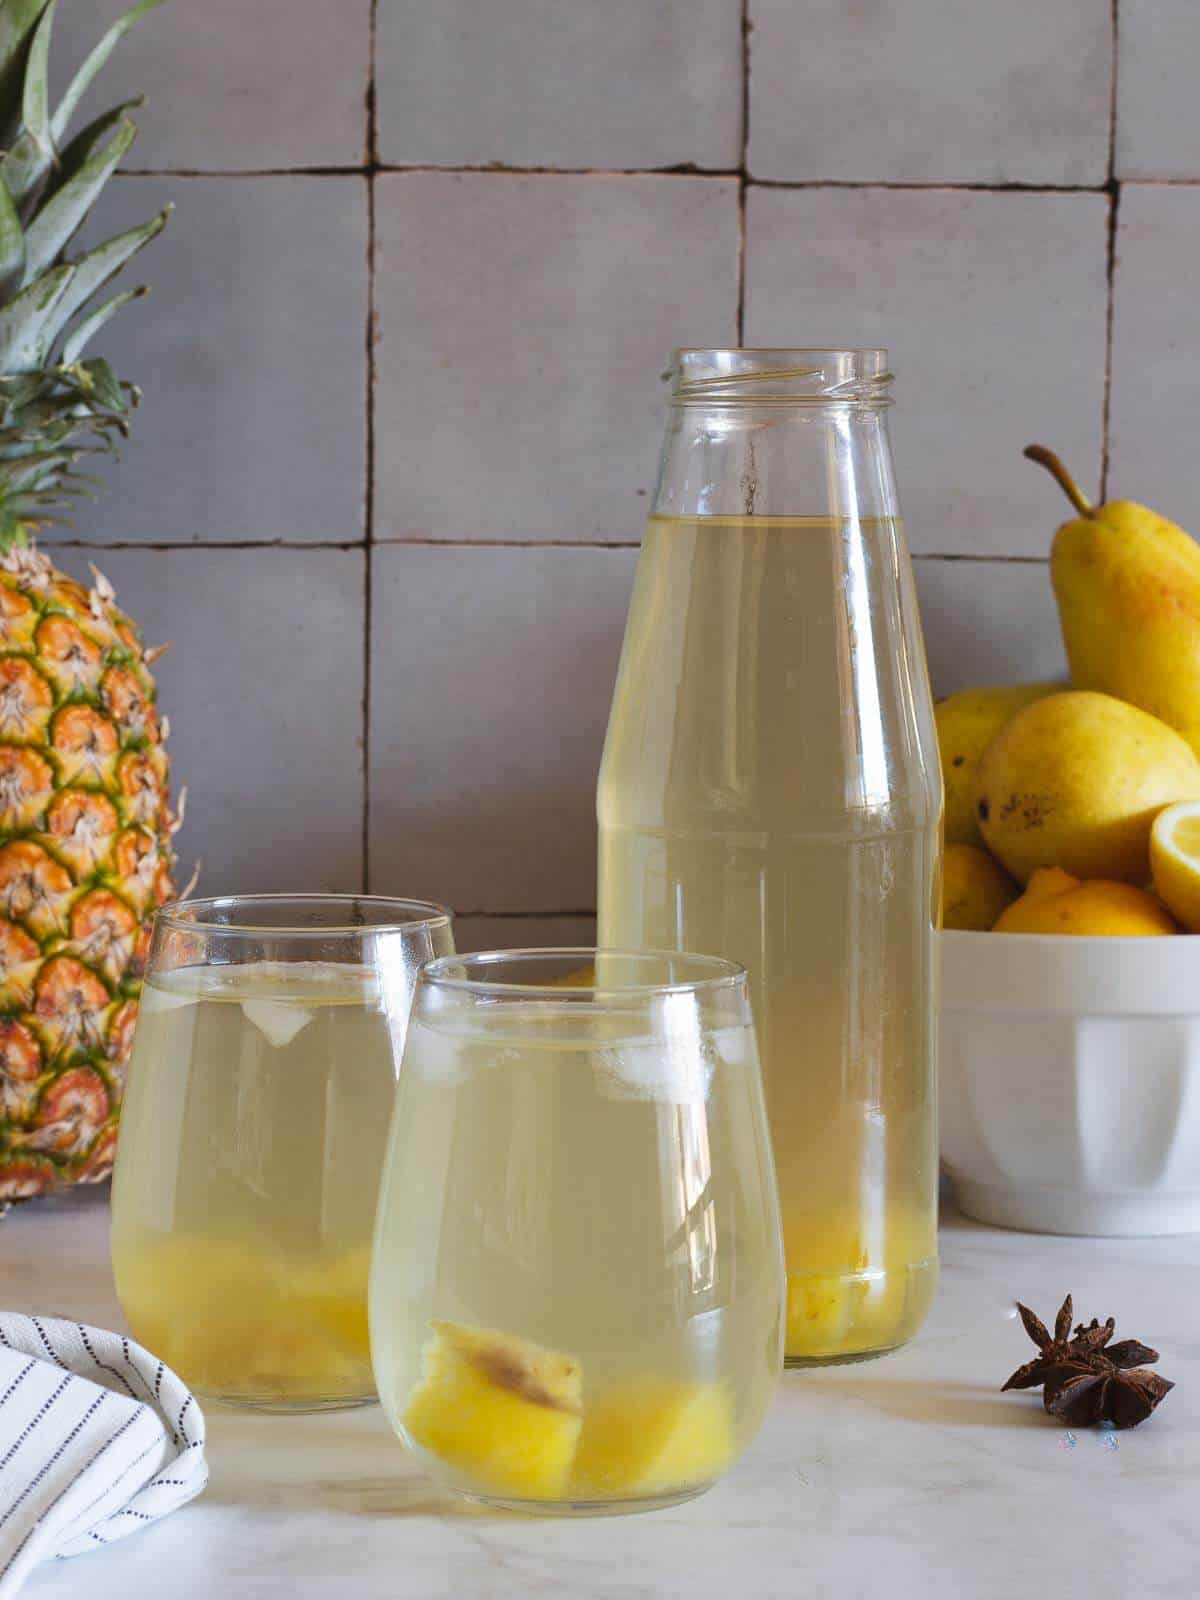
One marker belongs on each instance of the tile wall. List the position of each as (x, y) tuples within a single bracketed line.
[(401, 367)]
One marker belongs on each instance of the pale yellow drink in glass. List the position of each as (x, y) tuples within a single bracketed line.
[(746, 811), (254, 1129), (576, 1298)]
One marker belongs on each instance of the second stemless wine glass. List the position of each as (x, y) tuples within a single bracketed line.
[(577, 1292), (253, 1134)]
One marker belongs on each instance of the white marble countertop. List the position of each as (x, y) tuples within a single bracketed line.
[(910, 1476)]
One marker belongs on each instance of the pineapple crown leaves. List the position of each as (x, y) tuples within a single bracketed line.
[(57, 406)]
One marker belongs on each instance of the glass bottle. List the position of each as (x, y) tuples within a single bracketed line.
[(770, 792)]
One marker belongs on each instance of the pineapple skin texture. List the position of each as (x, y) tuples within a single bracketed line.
[(85, 859), (500, 1410)]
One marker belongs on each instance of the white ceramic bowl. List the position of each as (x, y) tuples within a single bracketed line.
[(1070, 1081)]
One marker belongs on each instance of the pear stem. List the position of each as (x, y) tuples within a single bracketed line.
[(1047, 458)]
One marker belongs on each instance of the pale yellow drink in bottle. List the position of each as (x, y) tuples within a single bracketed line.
[(770, 793)]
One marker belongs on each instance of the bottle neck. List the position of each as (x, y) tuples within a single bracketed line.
[(778, 433), (819, 462)]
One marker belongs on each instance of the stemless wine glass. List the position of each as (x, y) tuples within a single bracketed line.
[(253, 1135), (577, 1291)]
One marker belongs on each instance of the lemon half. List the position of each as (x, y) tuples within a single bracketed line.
[(1175, 860)]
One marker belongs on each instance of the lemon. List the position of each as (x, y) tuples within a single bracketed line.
[(1055, 902), (975, 888), (1175, 860)]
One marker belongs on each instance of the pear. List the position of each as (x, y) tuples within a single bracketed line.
[(975, 889), (967, 722), (1076, 781), (1127, 583)]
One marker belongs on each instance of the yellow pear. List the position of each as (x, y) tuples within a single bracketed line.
[(967, 722), (1076, 781), (1127, 583), (1055, 902), (975, 889)]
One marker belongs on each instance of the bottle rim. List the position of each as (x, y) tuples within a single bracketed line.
[(795, 375)]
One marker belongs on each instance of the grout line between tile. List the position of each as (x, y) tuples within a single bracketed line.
[(371, 141), (678, 169), (164, 545), (1110, 265), (425, 542), (717, 174), (747, 26), (1114, 212), (740, 310), (1115, 13), (521, 916), (686, 169), (931, 186), (362, 546), (368, 602), (960, 555), (369, 507), (354, 170)]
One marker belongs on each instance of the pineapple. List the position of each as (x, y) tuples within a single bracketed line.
[(501, 1409), (85, 826), (856, 1298), (653, 1436), (248, 1319)]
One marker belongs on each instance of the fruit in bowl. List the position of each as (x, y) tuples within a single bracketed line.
[(1127, 582), (966, 724), (1055, 902), (975, 888), (1073, 779), (1175, 861), (1070, 1047)]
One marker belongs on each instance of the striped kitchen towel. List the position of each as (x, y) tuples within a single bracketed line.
[(97, 1439)]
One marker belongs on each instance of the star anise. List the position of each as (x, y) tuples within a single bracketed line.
[(1086, 1379), (1053, 1351)]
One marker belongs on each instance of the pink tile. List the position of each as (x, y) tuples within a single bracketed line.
[(524, 323), (993, 307)]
